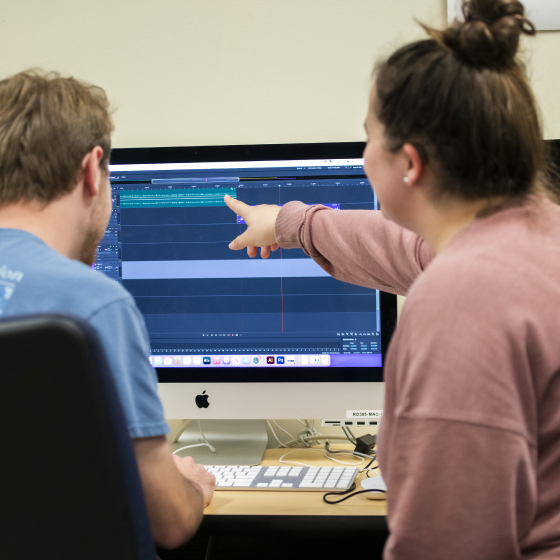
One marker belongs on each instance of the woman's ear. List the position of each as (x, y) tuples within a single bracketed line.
[(414, 164)]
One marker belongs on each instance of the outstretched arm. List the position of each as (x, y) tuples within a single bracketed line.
[(356, 246)]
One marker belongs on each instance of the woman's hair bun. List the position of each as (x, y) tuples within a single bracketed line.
[(489, 35)]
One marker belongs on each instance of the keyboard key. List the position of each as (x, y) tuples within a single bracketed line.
[(282, 477)]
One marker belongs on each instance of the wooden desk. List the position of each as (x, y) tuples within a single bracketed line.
[(234, 512)]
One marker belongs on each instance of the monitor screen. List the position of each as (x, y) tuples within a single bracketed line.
[(216, 315), (233, 337)]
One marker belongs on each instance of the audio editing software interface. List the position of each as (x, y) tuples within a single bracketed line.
[(205, 305)]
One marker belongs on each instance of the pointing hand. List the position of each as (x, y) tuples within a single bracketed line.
[(260, 232)]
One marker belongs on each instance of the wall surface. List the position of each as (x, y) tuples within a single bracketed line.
[(192, 72), (185, 72)]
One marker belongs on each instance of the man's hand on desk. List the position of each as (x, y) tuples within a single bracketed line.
[(176, 491), (198, 475)]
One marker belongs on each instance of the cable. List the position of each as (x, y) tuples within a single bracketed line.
[(352, 440), (325, 454), (368, 467), (350, 432), (274, 434), (316, 438), (349, 495), (213, 449), (356, 453), (303, 439), (285, 431), (206, 442), (195, 445), (367, 471), (296, 462)]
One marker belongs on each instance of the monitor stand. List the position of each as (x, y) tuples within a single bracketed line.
[(237, 442)]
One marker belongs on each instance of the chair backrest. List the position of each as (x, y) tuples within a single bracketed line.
[(69, 485)]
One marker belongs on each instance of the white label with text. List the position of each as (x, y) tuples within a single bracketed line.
[(364, 413)]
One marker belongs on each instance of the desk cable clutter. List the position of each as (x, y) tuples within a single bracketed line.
[(363, 449)]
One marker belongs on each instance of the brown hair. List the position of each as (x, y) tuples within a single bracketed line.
[(463, 99), (47, 125)]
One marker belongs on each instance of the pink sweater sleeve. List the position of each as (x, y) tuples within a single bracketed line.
[(356, 246)]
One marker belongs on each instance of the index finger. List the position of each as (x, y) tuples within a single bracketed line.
[(236, 205)]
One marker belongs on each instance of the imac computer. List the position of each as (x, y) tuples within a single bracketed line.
[(234, 338)]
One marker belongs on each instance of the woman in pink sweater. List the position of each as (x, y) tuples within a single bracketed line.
[(470, 443)]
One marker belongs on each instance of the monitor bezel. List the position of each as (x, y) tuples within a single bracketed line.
[(248, 152), (265, 152)]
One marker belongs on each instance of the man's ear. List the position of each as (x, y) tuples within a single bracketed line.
[(414, 164), (91, 171)]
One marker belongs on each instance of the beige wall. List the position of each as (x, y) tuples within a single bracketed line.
[(217, 71), (222, 71), (196, 72)]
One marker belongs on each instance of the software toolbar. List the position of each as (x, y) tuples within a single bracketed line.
[(258, 360)]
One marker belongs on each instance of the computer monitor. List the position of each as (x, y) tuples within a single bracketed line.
[(233, 337)]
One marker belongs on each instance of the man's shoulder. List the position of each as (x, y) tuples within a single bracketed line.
[(74, 283), (88, 286), (43, 281)]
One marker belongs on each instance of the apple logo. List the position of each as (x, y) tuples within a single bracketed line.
[(202, 400)]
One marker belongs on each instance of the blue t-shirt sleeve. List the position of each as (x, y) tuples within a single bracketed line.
[(123, 334)]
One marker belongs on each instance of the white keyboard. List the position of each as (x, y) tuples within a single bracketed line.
[(284, 478)]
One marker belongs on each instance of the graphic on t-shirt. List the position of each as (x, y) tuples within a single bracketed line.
[(8, 283)]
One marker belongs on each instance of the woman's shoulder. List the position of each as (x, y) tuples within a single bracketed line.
[(508, 262)]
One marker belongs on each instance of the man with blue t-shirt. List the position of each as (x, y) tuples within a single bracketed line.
[(55, 203)]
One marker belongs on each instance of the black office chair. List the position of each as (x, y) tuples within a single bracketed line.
[(69, 486)]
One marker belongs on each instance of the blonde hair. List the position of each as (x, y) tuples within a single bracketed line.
[(48, 123)]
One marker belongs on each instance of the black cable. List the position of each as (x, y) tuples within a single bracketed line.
[(351, 489), (372, 468), (346, 492)]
